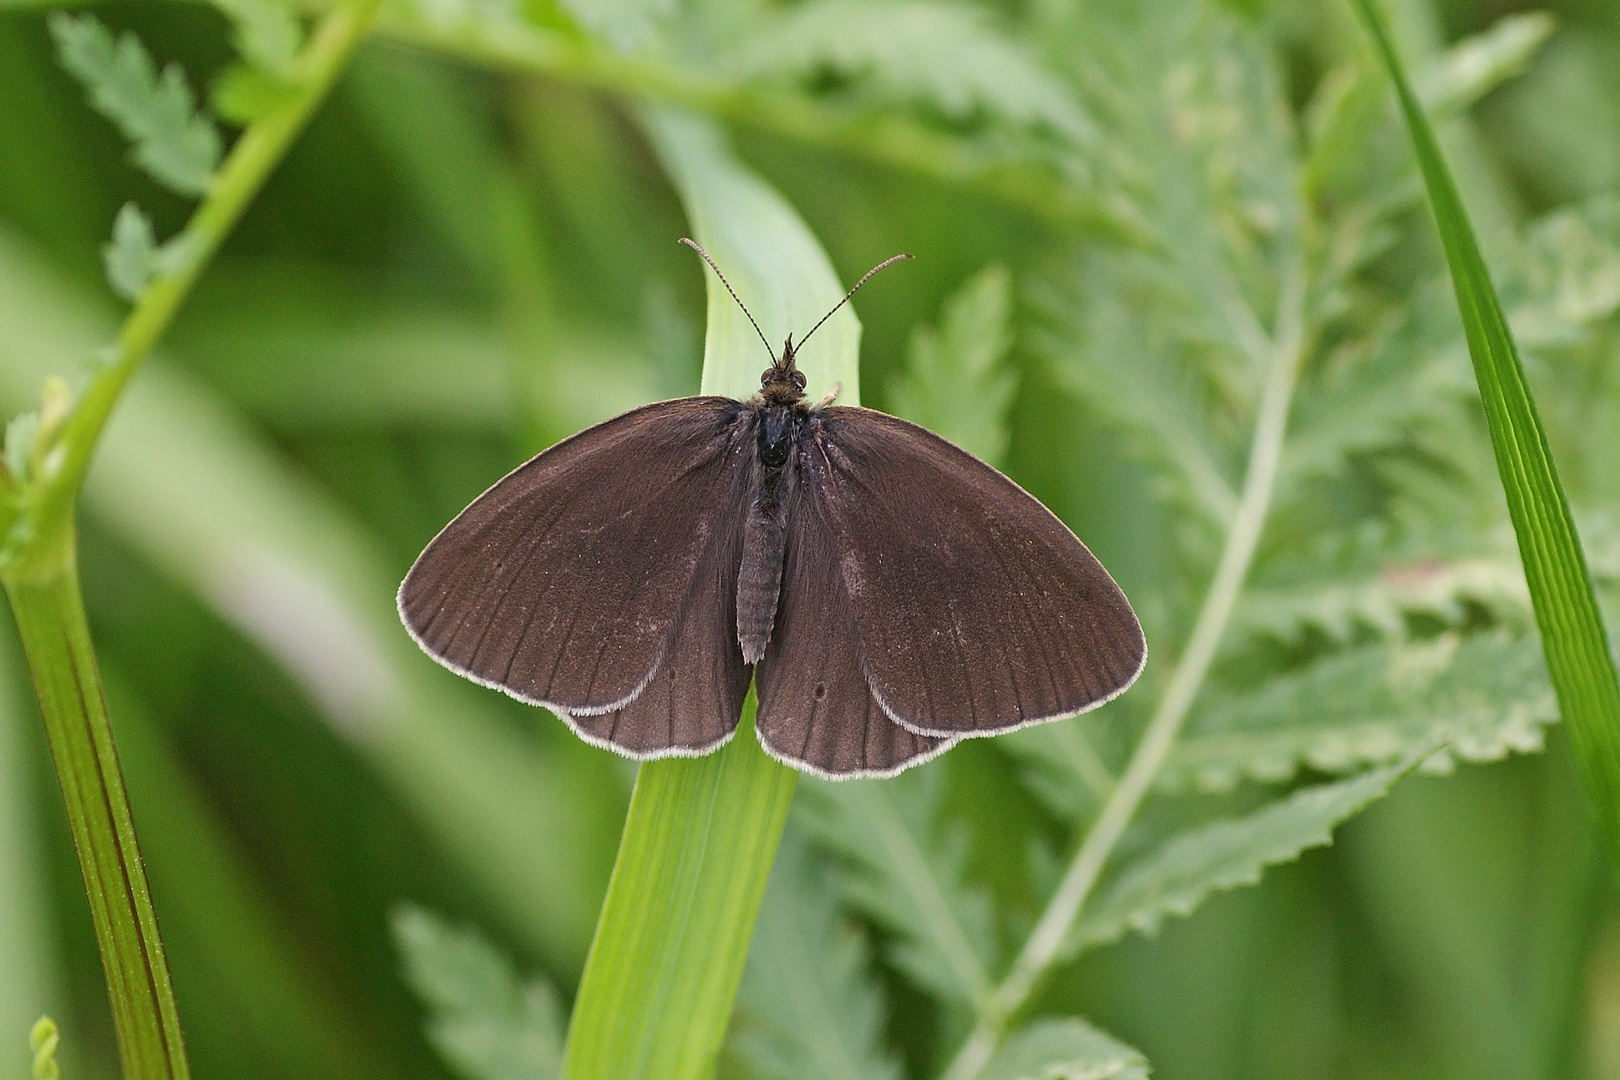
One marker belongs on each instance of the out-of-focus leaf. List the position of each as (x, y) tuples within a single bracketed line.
[(174, 143), (1477, 65), (485, 1022), (954, 383), (1068, 1049), (625, 25), (1568, 275), (906, 878), (1180, 874), (1061, 767), (1486, 695), (943, 54), (208, 501), (267, 34), (1428, 581), (808, 1007), (131, 256)]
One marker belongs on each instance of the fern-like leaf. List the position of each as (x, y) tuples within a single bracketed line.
[(1487, 695), (1180, 874), (809, 1010), (943, 55), (267, 35), (176, 145), (906, 878), (1068, 1049), (954, 384), (484, 1021), (1476, 65), (131, 256), (1060, 766)]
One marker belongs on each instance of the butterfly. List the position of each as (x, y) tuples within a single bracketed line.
[(887, 593)]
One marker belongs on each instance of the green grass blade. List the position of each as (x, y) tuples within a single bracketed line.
[(1572, 632), (702, 833)]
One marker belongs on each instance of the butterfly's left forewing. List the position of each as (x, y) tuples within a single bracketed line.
[(975, 609), (599, 579)]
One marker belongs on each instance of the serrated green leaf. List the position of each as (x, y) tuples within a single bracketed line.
[(809, 1009), (131, 256), (1567, 276), (177, 146), (267, 34), (1060, 765), (905, 878), (1181, 873), (1486, 695), (20, 432), (1373, 587), (941, 54), (1069, 1049), (955, 384), (1573, 635), (484, 1021)]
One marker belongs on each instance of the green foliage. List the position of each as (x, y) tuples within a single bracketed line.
[(131, 256), (811, 1010), (1164, 206), (43, 1039), (1573, 635), (1484, 695), (956, 384), (485, 1022), (1065, 1050), (267, 34), (1182, 872), (944, 55), (177, 146), (907, 879)]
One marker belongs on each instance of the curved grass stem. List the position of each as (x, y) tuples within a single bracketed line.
[(1046, 943), (38, 566)]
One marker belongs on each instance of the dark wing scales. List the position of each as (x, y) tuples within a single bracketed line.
[(567, 582), (816, 711), (977, 610), (692, 703)]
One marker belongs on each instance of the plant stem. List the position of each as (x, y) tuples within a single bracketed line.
[(891, 141), (38, 566), (1046, 942), (50, 620)]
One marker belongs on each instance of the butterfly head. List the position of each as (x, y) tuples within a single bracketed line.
[(782, 383)]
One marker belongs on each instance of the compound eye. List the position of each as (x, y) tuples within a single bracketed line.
[(799, 379)]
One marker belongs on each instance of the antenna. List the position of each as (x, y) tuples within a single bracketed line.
[(694, 246), (885, 264)]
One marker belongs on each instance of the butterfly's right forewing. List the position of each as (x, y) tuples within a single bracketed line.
[(568, 582)]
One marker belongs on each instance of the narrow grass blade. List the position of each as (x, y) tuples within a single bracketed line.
[(1572, 632), (701, 834)]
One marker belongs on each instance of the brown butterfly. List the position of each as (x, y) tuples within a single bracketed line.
[(889, 593)]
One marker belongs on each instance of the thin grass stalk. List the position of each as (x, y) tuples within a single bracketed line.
[(1573, 636), (39, 569)]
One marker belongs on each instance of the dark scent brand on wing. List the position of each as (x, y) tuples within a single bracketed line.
[(888, 593)]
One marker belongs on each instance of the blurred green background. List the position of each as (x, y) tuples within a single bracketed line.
[(461, 262)]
